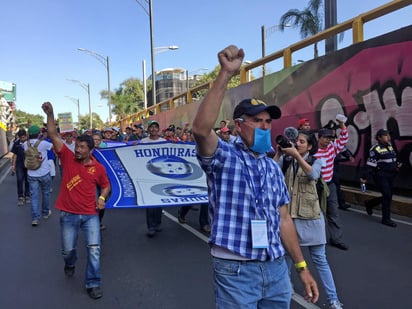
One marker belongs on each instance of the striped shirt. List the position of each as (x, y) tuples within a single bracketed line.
[(242, 188), (329, 153)]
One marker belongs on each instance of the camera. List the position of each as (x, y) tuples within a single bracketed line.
[(283, 142)]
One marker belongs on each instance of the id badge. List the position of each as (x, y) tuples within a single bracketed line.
[(259, 234)]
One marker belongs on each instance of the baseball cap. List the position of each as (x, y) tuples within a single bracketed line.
[(379, 133), (302, 121), (33, 130), (139, 126), (325, 132), (152, 122), (224, 129), (253, 107), (108, 129)]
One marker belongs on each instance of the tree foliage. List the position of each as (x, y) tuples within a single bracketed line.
[(309, 21), (128, 98), (97, 122), (22, 118), (211, 76)]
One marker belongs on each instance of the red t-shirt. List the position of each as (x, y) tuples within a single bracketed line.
[(78, 187)]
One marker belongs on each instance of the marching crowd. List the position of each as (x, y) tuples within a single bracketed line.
[(262, 209)]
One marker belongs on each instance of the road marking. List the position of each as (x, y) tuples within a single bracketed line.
[(187, 227), (296, 297), (5, 174), (301, 301), (379, 216)]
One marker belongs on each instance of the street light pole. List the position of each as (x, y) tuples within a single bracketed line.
[(144, 85), (157, 50), (105, 61), (152, 53), (152, 48), (264, 33), (192, 72), (86, 87), (262, 30), (77, 102)]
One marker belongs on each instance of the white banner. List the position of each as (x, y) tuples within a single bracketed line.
[(154, 175)]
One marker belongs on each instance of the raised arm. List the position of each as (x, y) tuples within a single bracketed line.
[(51, 126), (230, 59)]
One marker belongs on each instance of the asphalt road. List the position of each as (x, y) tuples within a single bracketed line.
[(173, 269)]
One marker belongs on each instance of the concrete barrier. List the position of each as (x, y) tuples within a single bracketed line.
[(5, 165), (401, 205)]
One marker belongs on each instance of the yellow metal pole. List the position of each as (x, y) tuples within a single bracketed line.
[(243, 76), (287, 58), (357, 28)]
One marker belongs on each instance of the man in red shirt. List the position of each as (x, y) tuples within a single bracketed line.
[(78, 204)]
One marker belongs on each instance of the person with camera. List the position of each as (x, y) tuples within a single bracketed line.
[(302, 174), (328, 149)]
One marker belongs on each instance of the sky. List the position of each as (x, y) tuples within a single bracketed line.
[(40, 39)]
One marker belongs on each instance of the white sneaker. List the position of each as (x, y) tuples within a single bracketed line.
[(336, 304), (48, 215), (20, 201)]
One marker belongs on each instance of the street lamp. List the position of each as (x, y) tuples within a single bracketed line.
[(157, 50), (265, 33), (192, 72), (87, 88), (162, 49), (149, 12), (105, 61), (77, 102)]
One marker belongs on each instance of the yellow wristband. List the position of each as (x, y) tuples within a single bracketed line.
[(301, 265), (101, 197)]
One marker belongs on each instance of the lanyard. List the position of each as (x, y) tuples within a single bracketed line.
[(257, 200)]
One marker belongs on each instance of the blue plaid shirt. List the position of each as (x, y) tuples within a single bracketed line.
[(243, 188)]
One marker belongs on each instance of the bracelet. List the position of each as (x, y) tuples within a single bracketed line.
[(301, 266), (101, 197)]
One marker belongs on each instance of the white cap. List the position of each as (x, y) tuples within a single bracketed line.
[(341, 118)]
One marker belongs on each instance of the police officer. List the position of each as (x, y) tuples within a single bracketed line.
[(382, 165)]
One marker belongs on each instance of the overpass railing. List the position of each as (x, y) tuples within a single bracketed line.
[(356, 24)]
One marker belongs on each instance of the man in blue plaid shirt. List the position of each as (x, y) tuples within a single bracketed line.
[(251, 226)]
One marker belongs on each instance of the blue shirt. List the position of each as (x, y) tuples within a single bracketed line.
[(243, 188)]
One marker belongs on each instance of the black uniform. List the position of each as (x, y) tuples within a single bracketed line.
[(382, 166)]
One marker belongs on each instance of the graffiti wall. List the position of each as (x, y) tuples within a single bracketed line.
[(370, 83)]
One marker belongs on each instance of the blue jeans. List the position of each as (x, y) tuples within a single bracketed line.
[(70, 225), (42, 183), (23, 189), (251, 284), (318, 256)]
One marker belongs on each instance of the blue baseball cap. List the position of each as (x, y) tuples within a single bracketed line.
[(253, 107)]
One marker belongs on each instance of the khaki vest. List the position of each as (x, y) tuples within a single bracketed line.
[(304, 201)]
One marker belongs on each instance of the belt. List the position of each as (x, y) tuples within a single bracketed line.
[(245, 261)]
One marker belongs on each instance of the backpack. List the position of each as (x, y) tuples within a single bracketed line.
[(33, 158)]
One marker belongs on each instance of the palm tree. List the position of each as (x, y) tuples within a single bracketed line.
[(309, 21)]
